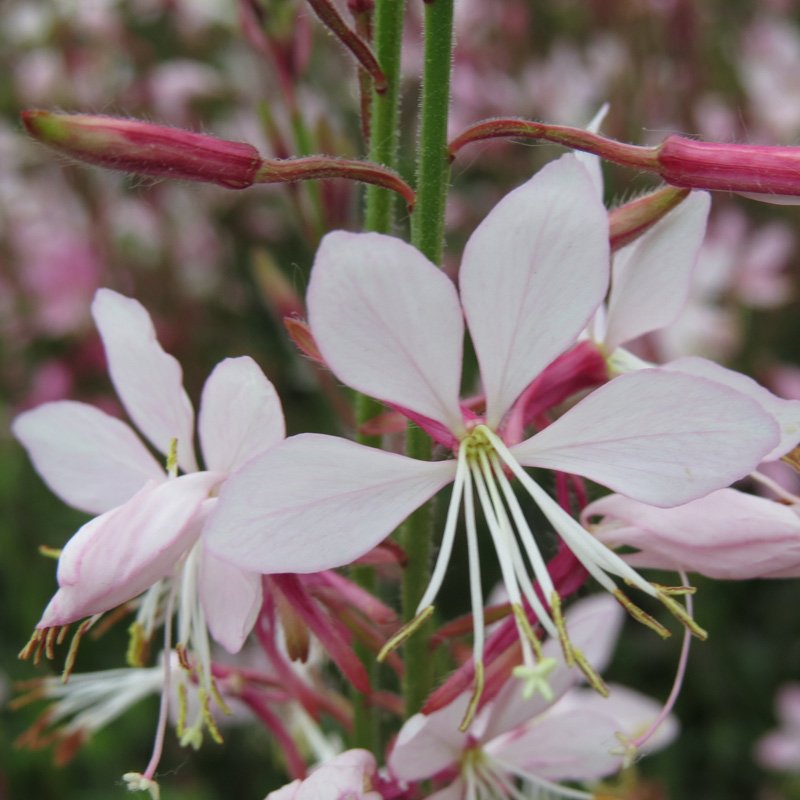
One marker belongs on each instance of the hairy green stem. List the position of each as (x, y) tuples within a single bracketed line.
[(384, 127), (427, 234)]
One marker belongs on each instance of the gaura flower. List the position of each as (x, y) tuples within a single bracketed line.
[(574, 735), (148, 536), (391, 325)]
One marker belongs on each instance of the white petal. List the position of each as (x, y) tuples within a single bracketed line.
[(533, 273), (660, 437), (317, 502), (590, 160), (388, 323), (651, 277), (91, 460), (240, 415), (785, 412), (149, 381), (231, 599)]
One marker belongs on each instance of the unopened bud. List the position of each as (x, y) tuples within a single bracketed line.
[(146, 149), (765, 173), (627, 223)]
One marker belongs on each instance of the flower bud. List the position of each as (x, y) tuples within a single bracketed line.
[(146, 149), (771, 174), (627, 223)]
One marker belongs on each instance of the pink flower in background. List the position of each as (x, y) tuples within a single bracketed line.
[(571, 735), (148, 535), (780, 749), (391, 325)]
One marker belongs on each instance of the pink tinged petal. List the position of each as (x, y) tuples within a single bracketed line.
[(317, 502), (428, 744), (240, 415), (632, 712), (727, 535), (570, 745), (660, 437), (651, 277), (121, 553), (89, 459), (149, 381), (593, 625), (785, 412), (231, 599), (388, 323), (347, 776), (533, 273)]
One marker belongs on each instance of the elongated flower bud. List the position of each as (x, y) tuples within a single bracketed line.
[(146, 149), (768, 173)]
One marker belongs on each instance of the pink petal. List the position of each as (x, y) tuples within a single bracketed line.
[(231, 599), (240, 415), (149, 381), (660, 437), (785, 412), (121, 553), (348, 776), (316, 502), (594, 624), (427, 744), (651, 277), (388, 323), (727, 535), (633, 713), (571, 745), (532, 275), (89, 459)]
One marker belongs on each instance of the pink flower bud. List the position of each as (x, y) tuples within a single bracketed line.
[(146, 149), (769, 173)]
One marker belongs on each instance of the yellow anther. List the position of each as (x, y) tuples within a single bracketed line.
[(535, 678), (640, 615), (73, 648), (674, 590), (561, 627), (172, 459), (49, 552), (477, 691), (683, 616), (524, 623), (180, 726), (590, 673), (209, 717), (138, 646), (792, 458), (405, 632)]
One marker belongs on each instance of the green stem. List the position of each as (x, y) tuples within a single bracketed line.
[(384, 139), (384, 129), (427, 234), (433, 164)]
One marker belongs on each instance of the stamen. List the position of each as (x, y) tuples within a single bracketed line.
[(138, 645), (682, 615), (449, 535), (407, 630), (73, 647), (566, 645), (172, 459), (524, 623), (639, 615), (477, 691), (49, 552)]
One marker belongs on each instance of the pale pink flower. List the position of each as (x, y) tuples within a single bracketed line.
[(391, 325), (148, 536), (780, 749), (571, 735)]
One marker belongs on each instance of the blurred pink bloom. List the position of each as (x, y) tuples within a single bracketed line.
[(780, 749), (349, 776), (150, 521), (571, 735), (391, 325)]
